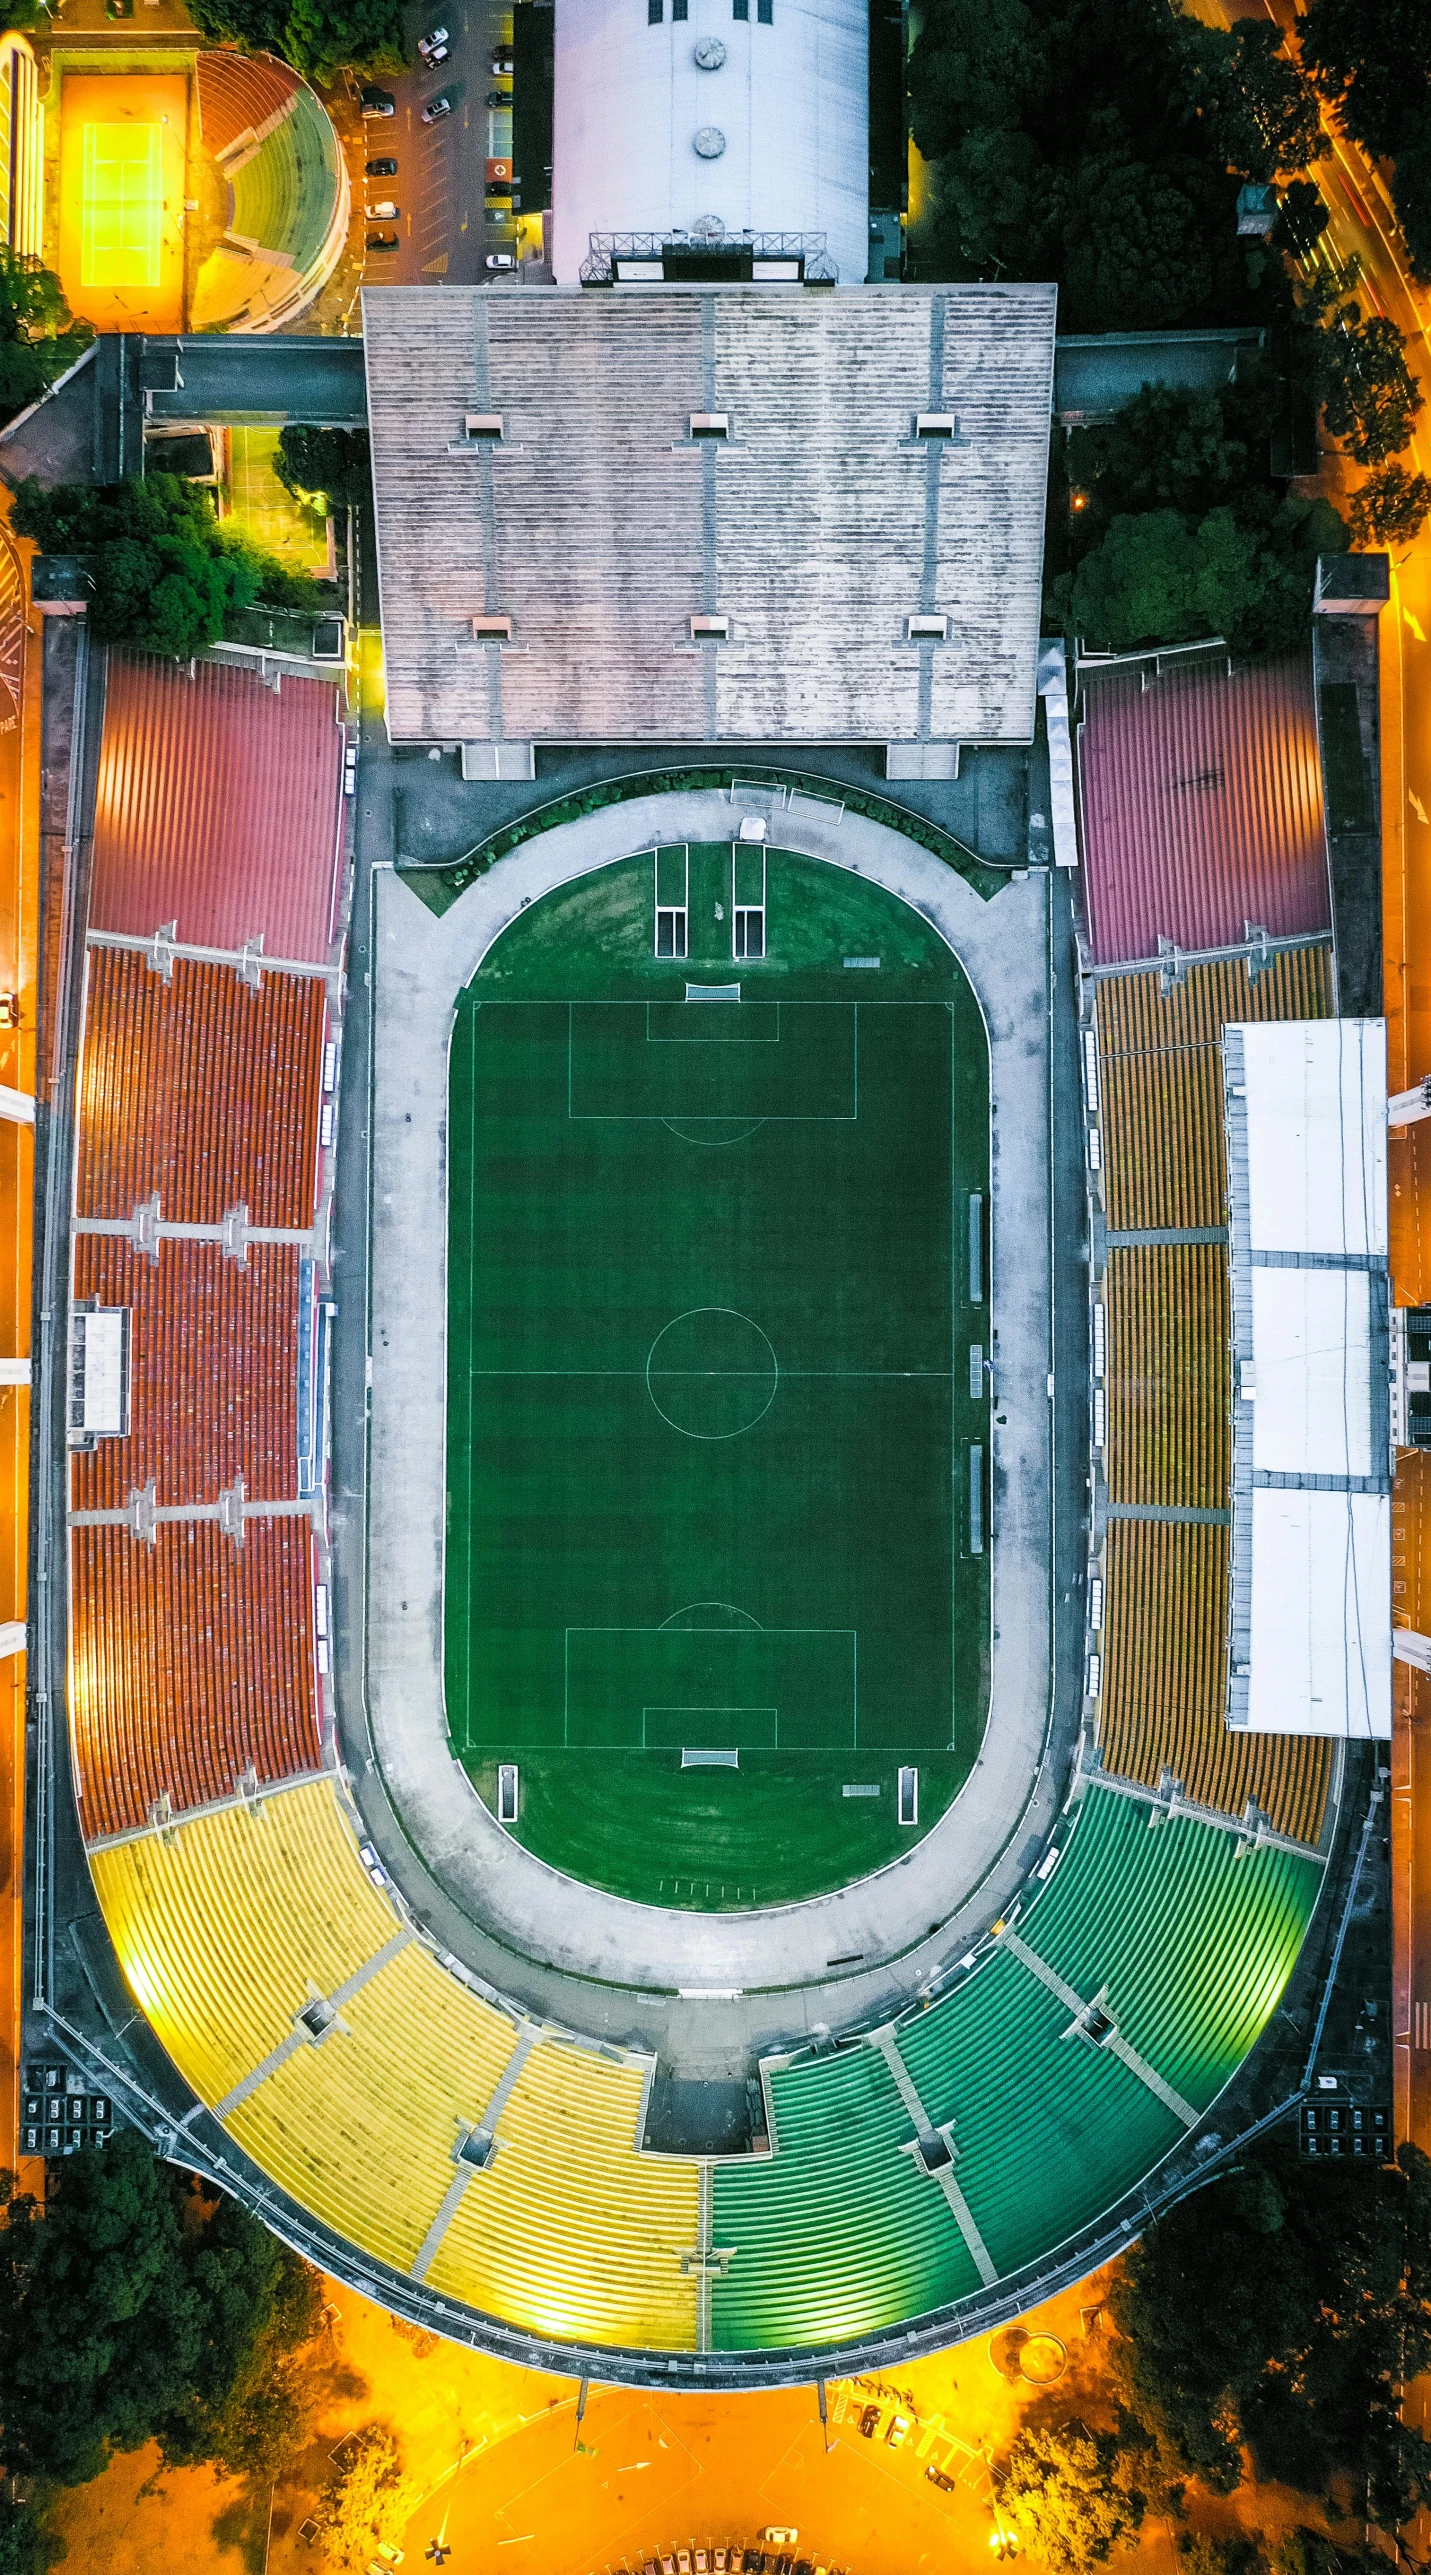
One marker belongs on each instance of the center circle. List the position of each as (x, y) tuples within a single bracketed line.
[(712, 1373)]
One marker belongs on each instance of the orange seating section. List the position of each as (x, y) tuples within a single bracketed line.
[(1168, 1391), (1159, 1076), (1165, 1681), (213, 1372), (1169, 1330), (189, 1661), (200, 1089)]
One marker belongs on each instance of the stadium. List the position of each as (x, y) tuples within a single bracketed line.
[(723, 1467)]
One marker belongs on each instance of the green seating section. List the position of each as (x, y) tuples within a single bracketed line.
[(285, 197), (840, 2234)]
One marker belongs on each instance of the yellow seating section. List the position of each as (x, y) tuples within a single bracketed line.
[(569, 2232), (1160, 1080), (228, 1925)]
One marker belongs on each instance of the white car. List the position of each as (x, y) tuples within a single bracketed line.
[(427, 45), (777, 2536), (386, 213), (501, 259)]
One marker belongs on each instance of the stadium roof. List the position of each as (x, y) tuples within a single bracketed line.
[(1311, 1546), (781, 111), (808, 530)]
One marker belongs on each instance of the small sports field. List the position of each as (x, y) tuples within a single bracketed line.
[(717, 1537), (122, 152)]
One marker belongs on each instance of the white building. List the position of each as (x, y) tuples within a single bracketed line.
[(708, 120)]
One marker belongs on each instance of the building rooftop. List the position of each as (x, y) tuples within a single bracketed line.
[(760, 121), (858, 459)]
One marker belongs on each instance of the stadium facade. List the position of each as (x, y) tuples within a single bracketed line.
[(721, 596)]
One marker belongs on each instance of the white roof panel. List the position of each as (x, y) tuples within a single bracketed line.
[(1311, 1349), (1321, 1625), (1316, 1134)]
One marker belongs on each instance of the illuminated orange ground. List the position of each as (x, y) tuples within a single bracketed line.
[(122, 224)]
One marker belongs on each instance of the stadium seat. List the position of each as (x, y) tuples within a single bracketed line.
[(1168, 1375)]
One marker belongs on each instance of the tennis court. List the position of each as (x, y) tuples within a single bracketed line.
[(122, 145), (717, 1572)]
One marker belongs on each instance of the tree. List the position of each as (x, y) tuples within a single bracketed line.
[(1391, 507), (131, 2312), (1170, 447), (39, 336), (368, 2505), (331, 464), (1068, 2492), (26, 2547), (1371, 61), (1370, 399), (167, 577), (971, 66), (1264, 109), (319, 37), (1134, 247), (1282, 2307), (1411, 191)]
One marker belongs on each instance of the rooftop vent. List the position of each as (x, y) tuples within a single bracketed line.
[(934, 2155), (491, 630), (705, 630), (481, 424), (936, 424), (927, 629), (477, 2149), (710, 424)]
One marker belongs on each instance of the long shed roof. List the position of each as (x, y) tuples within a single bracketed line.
[(817, 527)]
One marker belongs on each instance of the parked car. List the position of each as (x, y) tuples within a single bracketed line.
[(499, 98), (439, 54), (503, 65), (382, 241), (381, 169), (377, 102), (427, 45), (938, 2478), (386, 213), (898, 2432), (869, 2422), (501, 259), (437, 108), (776, 2536)]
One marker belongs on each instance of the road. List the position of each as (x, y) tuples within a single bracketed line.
[(443, 228)]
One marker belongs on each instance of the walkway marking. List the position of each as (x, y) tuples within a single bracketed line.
[(465, 2173), (298, 2036), (1115, 2044), (963, 2215)]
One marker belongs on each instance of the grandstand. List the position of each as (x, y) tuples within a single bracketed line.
[(274, 143)]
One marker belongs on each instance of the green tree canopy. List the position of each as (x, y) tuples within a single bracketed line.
[(1283, 2307), (129, 2312), (1370, 399), (334, 462), (1163, 578), (1260, 104), (1302, 218), (1371, 60), (319, 37), (1069, 2495), (1391, 507), (168, 577), (39, 336)]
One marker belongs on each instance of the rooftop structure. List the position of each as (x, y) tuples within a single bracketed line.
[(723, 121), (711, 516), (1311, 1509)]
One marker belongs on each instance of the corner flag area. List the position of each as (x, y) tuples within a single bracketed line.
[(122, 147)]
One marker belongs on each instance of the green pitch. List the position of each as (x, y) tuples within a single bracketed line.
[(711, 1403)]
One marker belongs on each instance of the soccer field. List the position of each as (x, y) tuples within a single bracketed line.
[(716, 1548)]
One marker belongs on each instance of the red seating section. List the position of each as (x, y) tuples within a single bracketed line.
[(201, 1089), (237, 94), (213, 1377), (1202, 806), (189, 1660), (218, 807)]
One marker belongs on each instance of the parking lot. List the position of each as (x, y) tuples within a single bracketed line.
[(442, 225)]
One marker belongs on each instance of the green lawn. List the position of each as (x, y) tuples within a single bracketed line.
[(709, 1409)]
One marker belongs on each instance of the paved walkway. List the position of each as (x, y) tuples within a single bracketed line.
[(980, 1849)]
